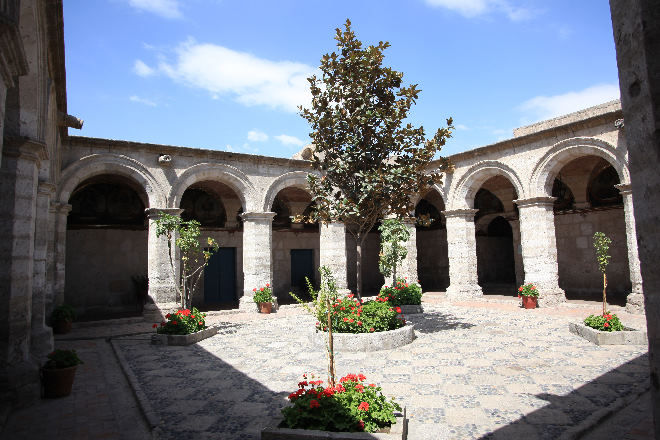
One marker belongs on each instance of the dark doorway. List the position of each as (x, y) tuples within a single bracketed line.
[(302, 265), (220, 277)]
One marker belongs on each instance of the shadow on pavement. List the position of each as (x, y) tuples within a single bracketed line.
[(434, 322), (574, 414)]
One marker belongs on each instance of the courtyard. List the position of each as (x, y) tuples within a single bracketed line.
[(482, 368)]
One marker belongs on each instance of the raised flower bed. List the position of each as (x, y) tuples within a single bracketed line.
[(407, 296), (183, 327), (626, 336)]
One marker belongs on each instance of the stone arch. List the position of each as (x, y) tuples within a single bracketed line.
[(97, 164), (296, 179), (542, 177), (229, 175), (415, 199), (468, 185)]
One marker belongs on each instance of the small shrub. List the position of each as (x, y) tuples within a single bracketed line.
[(63, 312), (528, 289), (349, 315), (403, 293), (349, 406), (62, 359), (263, 295), (182, 322), (604, 323)]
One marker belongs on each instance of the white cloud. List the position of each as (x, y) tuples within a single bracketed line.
[(285, 139), (142, 69), (257, 136), (248, 79), (461, 127), (163, 8), (473, 8), (144, 101), (546, 107)]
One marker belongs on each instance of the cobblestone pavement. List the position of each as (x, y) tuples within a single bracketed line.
[(478, 369)]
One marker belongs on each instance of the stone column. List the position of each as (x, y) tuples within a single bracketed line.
[(539, 248), (462, 252), (517, 254), (332, 249), (60, 213), (257, 255), (162, 282), (42, 336), (408, 269), (19, 366), (635, 300)]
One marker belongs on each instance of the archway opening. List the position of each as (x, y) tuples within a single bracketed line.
[(217, 207), (106, 248), (431, 231), (499, 262), (296, 244), (596, 206)]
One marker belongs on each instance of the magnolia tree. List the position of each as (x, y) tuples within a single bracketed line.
[(369, 159), (392, 234), (602, 244), (194, 257)]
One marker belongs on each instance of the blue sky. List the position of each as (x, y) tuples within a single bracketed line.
[(228, 75)]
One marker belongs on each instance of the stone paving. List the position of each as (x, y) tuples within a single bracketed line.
[(478, 369)]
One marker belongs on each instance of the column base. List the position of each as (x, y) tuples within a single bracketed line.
[(42, 342), (247, 304), (551, 298), (463, 291), (635, 304)]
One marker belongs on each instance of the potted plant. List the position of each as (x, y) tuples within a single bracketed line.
[(406, 295), (529, 294), (58, 373), (61, 318), (264, 298)]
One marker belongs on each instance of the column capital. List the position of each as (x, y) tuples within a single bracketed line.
[(467, 214), (624, 188), (60, 208), (155, 213), (25, 148), (257, 216), (535, 201), (46, 188)]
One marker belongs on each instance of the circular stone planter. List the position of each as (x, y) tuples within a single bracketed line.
[(352, 342), (411, 309), (193, 338)]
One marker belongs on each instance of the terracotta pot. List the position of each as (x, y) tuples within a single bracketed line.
[(529, 302), (58, 382), (265, 307), (61, 327)]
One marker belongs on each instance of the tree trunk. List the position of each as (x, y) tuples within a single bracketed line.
[(604, 294), (394, 276), (359, 242), (331, 352)]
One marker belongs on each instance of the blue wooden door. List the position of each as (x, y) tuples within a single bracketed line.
[(302, 265), (220, 277)]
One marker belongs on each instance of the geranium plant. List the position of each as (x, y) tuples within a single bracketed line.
[(528, 289), (349, 406), (402, 293), (350, 315), (182, 322), (605, 323), (62, 359), (263, 294)]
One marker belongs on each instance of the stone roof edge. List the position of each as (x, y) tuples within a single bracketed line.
[(82, 142), (553, 131)]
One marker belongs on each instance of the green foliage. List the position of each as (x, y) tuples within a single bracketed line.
[(369, 160), (403, 293), (63, 312), (62, 359), (263, 294), (327, 293), (605, 323), (392, 233), (194, 257), (602, 244), (349, 315), (347, 407), (182, 322), (528, 289)]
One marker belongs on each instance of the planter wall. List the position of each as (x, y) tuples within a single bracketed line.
[(352, 342), (398, 431), (411, 309), (158, 339), (628, 336)]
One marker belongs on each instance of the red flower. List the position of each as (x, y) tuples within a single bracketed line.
[(398, 309), (168, 316), (254, 290), (361, 377), (155, 325), (351, 320), (359, 389), (359, 323), (364, 406), (201, 323), (520, 289), (262, 289), (267, 285), (361, 425), (371, 329), (345, 319), (606, 325), (174, 322), (316, 404), (350, 295)]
